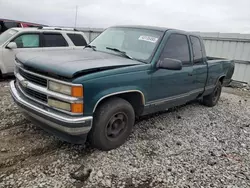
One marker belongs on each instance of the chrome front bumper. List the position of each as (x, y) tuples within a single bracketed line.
[(54, 121)]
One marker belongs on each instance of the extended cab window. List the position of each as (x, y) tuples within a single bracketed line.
[(197, 51), (77, 39), (27, 41), (177, 48), (54, 40)]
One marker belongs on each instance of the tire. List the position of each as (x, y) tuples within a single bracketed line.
[(112, 124), (213, 98)]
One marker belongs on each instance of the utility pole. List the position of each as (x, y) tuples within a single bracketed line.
[(76, 16)]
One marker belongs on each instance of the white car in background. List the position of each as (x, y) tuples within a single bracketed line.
[(17, 40)]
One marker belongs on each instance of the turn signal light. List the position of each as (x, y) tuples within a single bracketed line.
[(77, 108)]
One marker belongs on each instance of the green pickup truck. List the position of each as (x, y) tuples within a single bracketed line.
[(96, 93)]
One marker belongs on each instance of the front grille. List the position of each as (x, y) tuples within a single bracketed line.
[(32, 78), (39, 96)]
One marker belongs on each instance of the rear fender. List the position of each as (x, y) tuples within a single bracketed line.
[(219, 78)]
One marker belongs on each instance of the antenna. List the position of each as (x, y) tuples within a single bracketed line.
[(76, 15)]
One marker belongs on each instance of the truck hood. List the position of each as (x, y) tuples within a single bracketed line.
[(70, 63)]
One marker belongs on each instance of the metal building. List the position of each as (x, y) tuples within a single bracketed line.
[(233, 46)]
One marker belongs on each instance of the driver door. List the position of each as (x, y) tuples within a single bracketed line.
[(172, 87), (26, 42)]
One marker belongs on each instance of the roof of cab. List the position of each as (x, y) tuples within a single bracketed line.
[(144, 27), (156, 28)]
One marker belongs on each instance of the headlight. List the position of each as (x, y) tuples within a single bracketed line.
[(59, 104), (74, 108), (75, 91)]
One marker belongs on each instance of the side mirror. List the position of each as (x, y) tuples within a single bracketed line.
[(11, 45), (171, 64)]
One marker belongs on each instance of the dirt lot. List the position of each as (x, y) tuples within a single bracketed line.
[(190, 146)]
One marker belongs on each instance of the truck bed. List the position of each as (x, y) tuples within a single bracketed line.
[(220, 65), (215, 58)]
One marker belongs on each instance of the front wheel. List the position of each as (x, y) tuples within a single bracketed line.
[(213, 98), (113, 123)]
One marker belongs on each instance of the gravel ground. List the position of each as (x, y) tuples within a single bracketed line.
[(190, 146)]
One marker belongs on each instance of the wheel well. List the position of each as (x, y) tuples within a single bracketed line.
[(134, 98), (221, 79)]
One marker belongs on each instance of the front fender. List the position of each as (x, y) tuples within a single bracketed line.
[(113, 83), (116, 91)]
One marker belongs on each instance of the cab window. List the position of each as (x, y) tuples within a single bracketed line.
[(177, 48), (54, 40), (197, 50), (27, 41), (77, 39)]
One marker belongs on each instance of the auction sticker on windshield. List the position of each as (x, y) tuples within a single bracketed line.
[(148, 38)]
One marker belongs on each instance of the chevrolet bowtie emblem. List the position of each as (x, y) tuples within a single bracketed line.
[(24, 83)]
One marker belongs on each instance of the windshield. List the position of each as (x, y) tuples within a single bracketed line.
[(6, 35), (136, 43)]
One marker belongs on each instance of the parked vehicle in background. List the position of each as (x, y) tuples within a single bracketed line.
[(17, 40), (126, 72), (6, 24)]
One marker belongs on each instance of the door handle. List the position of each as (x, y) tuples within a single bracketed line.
[(190, 74)]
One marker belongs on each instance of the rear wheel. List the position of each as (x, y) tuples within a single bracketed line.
[(213, 98), (113, 123)]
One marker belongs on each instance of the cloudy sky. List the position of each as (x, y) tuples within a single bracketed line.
[(192, 15)]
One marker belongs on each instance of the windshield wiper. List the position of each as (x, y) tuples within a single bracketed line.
[(91, 46), (121, 52)]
